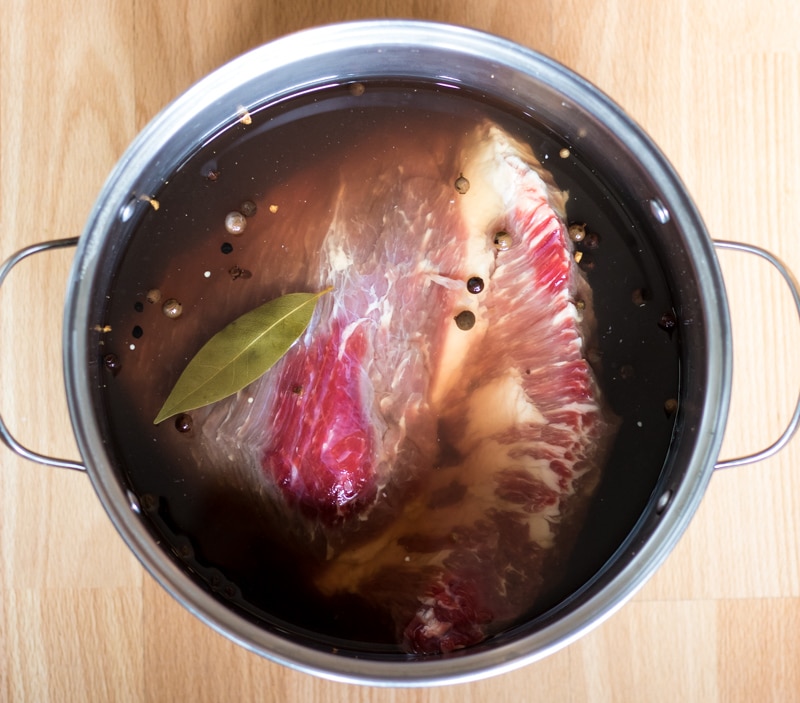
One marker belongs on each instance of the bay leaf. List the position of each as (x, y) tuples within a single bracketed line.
[(240, 353)]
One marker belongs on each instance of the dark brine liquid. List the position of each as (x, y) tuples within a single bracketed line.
[(188, 272)]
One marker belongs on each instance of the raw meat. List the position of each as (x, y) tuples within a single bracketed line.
[(444, 469), (352, 408)]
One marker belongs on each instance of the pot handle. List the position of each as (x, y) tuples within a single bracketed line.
[(791, 428), (5, 435), (771, 450)]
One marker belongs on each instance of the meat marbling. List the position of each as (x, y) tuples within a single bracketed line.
[(442, 468)]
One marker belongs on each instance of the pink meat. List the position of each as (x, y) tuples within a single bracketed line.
[(445, 469), (524, 429), (322, 450), (350, 412)]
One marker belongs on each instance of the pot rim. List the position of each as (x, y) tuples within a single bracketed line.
[(120, 193)]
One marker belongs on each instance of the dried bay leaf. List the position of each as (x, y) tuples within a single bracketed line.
[(244, 350)]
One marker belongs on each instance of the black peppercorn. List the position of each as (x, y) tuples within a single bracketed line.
[(112, 363), (183, 423), (591, 240), (668, 321), (475, 284), (465, 320)]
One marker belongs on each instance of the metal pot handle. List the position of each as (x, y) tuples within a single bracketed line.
[(791, 428), (772, 449), (5, 435)]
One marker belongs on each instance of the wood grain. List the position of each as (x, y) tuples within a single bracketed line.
[(717, 85)]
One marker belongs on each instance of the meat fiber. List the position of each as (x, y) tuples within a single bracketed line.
[(444, 469)]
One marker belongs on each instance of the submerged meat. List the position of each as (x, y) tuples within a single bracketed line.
[(443, 465), (359, 383), (346, 418)]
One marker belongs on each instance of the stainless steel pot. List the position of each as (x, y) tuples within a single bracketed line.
[(535, 85)]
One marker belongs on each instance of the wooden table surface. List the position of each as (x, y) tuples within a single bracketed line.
[(715, 82)]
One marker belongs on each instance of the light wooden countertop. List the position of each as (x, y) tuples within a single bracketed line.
[(715, 82)]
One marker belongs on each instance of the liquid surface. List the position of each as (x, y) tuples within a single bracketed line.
[(185, 271)]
